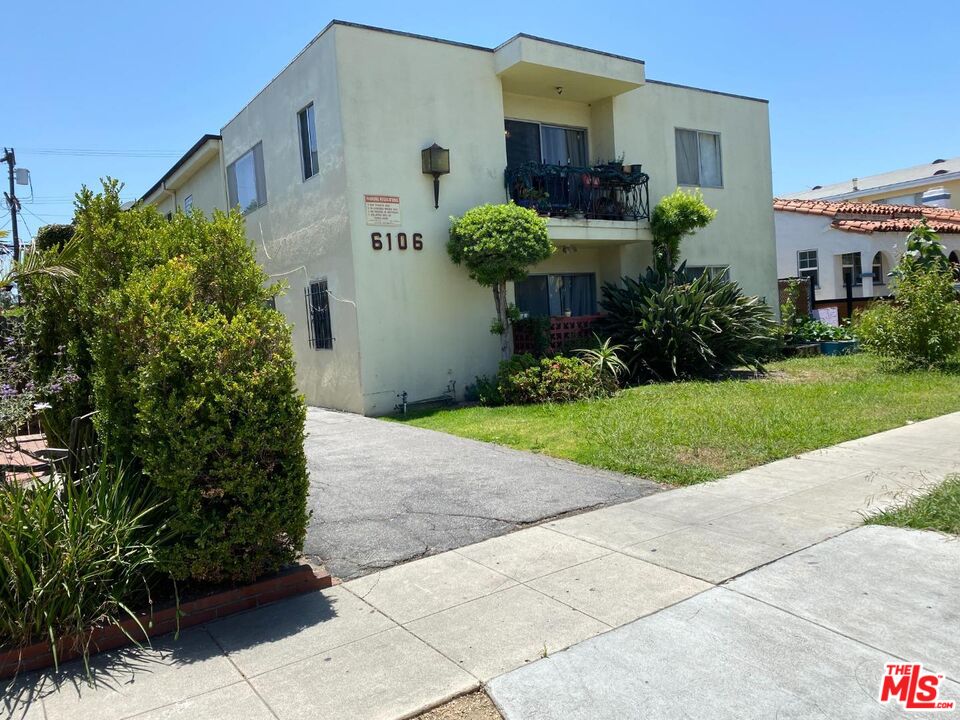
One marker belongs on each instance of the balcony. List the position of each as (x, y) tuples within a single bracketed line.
[(603, 192)]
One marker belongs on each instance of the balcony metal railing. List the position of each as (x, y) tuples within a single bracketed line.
[(609, 192)]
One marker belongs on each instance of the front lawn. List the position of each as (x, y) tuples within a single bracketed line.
[(688, 432), (937, 510)]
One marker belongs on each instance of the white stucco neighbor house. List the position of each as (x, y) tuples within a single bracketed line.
[(326, 163), (936, 182), (832, 242)]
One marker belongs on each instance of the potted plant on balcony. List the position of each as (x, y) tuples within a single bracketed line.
[(535, 199)]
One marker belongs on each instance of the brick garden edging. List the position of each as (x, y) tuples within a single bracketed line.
[(295, 581)]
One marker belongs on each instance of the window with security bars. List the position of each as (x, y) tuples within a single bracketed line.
[(318, 315)]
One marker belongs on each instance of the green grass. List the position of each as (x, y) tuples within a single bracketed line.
[(688, 432), (937, 510)]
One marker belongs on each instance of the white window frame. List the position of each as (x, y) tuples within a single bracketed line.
[(188, 204), (309, 112), (857, 277), (698, 133), (815, 268), (712, 271)]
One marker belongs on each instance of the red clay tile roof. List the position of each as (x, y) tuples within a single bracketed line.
[(864, 217)]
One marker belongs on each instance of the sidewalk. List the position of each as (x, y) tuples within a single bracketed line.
[(393, 643)]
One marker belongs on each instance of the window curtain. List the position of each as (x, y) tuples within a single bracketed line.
[(582, 294), (710, 175), (554, 144), (688, 166)]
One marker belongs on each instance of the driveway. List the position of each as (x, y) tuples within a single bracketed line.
[(383, 493)]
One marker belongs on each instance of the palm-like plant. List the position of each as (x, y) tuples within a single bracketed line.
[(605, 360), (57, 263)]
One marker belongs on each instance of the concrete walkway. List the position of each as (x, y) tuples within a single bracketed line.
[(383, 493), (395, 642)]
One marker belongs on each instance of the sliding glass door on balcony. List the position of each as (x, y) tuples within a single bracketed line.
[(547, 144)]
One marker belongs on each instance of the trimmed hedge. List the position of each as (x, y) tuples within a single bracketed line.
[(193, 380)]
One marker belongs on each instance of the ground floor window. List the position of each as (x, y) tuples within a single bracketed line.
[(807, 266), (318, 316), (555, 295), (692, 272), (852, 269)]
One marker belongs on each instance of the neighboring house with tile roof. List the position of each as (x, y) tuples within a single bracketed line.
[(830, 241), (897, 187)]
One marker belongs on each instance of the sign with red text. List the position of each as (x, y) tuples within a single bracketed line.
[(382, 210)]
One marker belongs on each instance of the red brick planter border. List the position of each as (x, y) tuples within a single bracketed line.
[(295, 581)]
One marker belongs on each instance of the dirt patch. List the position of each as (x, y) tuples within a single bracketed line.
[(475, 706), (715, 458)]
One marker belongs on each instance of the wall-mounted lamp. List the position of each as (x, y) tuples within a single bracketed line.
[(436, 162)]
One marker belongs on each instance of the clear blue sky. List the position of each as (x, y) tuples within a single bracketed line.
[(854, 88)]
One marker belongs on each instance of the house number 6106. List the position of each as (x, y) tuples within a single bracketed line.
[(376, 240)]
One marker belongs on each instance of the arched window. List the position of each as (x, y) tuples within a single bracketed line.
[(878, 275)]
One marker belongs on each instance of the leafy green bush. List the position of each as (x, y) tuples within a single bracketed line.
[(921, 328), (676, 216), (524, 379), (194, 378), (808, 330), (76, 555), (672, 328)]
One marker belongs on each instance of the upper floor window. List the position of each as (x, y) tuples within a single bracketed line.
[(807, 266), (547, 144), (246, 184), (308, 142), (698, 158)]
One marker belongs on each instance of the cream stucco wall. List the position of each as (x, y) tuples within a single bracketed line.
[(742, 235), (423, 322), (205, 185), (303, 232)]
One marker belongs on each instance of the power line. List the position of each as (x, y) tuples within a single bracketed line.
[(93, 152)]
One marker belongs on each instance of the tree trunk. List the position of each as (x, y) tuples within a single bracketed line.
[(506, 337)]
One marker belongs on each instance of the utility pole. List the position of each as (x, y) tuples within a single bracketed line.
[(11, 160)]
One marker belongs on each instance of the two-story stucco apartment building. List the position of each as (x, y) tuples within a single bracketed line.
[(326, 162)]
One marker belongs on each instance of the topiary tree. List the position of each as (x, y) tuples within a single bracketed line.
[(497, 244), (674, 217)]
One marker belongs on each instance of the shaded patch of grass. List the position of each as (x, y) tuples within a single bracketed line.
[(937, 510), (688, 432)]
